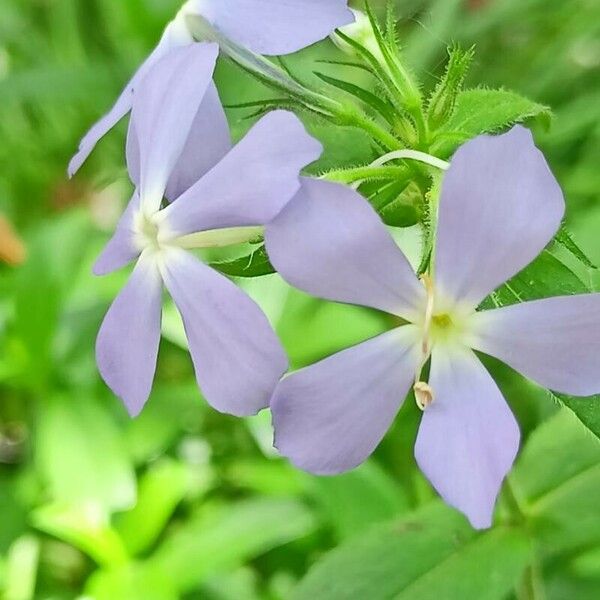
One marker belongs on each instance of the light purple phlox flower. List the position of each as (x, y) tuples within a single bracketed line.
[(500, 206), (220, 195), (271, 27)]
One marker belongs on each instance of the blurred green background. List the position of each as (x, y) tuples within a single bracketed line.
[(187, 503)]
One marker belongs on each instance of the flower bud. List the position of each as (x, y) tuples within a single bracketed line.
[(361, 32)]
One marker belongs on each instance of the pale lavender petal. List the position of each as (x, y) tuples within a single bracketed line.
[(555, 342), (121, 248), (208, 142), (468, 438), (175, 35), (273, 26), (252, 183), (500, 205), (237, 356), (165, 105), (127, 344), (330, 242), (330, 417)]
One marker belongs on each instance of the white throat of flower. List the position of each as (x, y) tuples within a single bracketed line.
[(152, 233), (444, 324)]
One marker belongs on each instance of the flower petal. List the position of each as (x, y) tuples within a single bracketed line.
[(555, 342), (329, 242), (468, 438), (165, 105), (175, 35), (275, 27), (330, 417), (208, 142), (127, 344), (121, 248), (500, 205), (252, 183), (237, 356)]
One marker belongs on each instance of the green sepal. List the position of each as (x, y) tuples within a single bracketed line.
[(384, 108), (443, 99)]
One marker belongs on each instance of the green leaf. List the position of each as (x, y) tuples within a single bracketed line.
[(485, 111), (21, 569), (384, 108), (80, 455), (86, 527), (376, 498), (565, 239), (399, 204), (255, 264), (224, 539), (545, 277), (429, 554), (132, 581), (557, 484), (160, 491)]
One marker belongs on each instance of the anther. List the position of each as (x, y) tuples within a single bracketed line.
[(423, 394)]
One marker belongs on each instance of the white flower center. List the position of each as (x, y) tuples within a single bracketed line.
[(442, 323), (152, 232)]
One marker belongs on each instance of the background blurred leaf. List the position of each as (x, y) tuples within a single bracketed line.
[(79, 453), (355, 501), (85, 526), (233, 534), (161, 489)]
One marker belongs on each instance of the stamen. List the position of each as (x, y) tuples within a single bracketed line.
[(423, 394)]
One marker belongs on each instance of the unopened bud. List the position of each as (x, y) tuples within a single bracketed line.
[(360, 31)]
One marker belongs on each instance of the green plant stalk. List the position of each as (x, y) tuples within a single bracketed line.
[(355, 174), (402, 81), (275, 77)]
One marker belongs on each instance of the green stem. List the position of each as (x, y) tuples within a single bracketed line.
[(365, 173)]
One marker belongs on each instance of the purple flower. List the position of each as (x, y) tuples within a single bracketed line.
[(219, 195), (269, 27), (500, 205)]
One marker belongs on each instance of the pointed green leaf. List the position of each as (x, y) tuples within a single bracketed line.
[(255, 264), (382, 107), (222, 540), (429, 554), (485, 111)]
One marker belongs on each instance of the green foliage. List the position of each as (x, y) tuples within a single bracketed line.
[(484, 111), (428, 554)]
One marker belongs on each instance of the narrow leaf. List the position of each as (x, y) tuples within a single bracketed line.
[(382, 107), (564, 238)]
